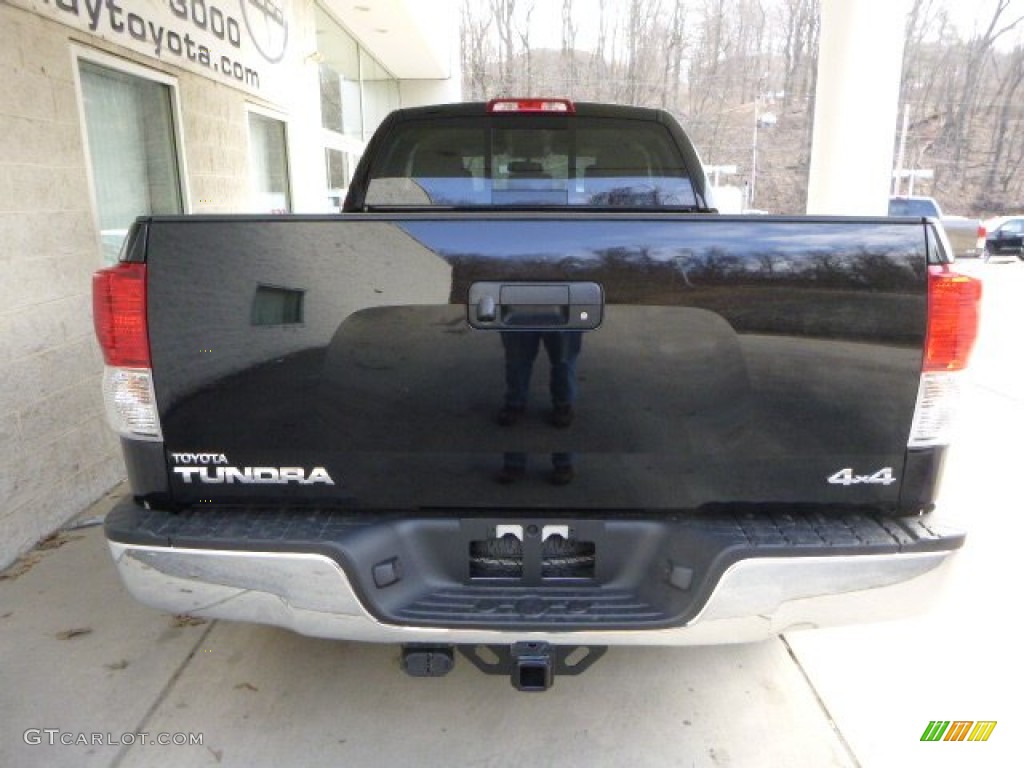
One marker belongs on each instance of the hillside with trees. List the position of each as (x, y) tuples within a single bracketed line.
[(740, 77)]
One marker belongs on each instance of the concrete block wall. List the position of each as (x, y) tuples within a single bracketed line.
[(215, 135), (56, 454)]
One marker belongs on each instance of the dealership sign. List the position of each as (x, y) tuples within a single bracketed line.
[(239, 42)]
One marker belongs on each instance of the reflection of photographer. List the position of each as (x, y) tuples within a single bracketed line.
[(521, 348), (513, 468)]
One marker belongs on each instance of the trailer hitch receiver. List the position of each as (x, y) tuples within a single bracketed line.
[(532, 666)]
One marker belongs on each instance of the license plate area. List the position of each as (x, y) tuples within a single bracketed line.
[(532, 552)]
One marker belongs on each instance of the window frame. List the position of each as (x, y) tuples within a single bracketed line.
[(282, 118), (81, 53)]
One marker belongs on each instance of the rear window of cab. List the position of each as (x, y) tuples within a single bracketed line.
[(528, 161)]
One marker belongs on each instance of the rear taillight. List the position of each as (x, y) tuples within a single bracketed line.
[(953, 302), (530, 105), (119, 316)]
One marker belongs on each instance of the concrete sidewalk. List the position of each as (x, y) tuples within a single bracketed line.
[(79, 655)]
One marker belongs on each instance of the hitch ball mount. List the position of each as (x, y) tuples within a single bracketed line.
[(530, 666)]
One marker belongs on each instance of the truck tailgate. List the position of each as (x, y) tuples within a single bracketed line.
[(362, 361)]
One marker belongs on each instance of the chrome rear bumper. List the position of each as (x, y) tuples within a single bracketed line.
[(755, 598)]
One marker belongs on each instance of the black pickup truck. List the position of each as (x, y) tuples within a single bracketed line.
[(530, 396)]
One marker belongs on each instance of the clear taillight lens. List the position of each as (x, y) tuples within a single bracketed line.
[(937, 398), (131, 403)]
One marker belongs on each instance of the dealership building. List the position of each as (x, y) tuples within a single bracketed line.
[(114, 109)]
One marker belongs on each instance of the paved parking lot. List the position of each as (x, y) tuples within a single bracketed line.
[(82, 661)]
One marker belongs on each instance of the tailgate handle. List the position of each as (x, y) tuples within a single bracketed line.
[(569, 306), (486, 309)]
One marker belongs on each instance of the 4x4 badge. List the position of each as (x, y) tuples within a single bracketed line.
[(846, 477)]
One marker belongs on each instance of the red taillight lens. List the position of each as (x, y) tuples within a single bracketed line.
[(119, 315), (953, 301), (982, 232), (530, 105)]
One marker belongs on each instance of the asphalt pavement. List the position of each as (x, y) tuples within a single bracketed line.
[(91, 678)]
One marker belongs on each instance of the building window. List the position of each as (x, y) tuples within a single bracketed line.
[(268, 162), (340, 103), (356, 94), (132, 150), (338, 169), (356, 91), (340, 165), (380, 92), (277, 306), (341, 107)]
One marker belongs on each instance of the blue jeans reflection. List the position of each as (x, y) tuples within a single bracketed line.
[(521, 348)]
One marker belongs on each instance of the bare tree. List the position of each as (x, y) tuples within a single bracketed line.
[(503, 13), (569, 48), (674, 51), (1006, 131), (704, 75), (476, 52), (964, 110), (596, 69), (523, 33), (801, 25)]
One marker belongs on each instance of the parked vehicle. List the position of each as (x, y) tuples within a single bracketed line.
[(966, 236), (1006, 238), (337, 424)]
